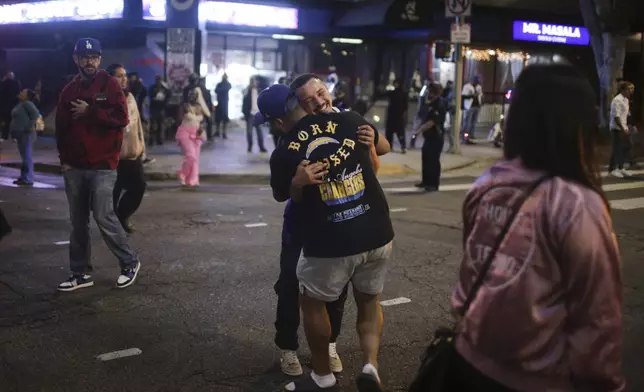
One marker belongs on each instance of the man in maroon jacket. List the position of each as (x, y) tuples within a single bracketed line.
[(90, 118)]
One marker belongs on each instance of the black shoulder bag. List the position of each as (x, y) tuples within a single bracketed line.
[(436, 365)]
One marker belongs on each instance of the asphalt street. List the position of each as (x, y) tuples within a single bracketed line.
[(201, 314)]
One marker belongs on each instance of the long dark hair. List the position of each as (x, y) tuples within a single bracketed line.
[(113, 67), (553, 124)]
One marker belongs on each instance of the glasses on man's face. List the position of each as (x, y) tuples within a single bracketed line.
[(91, 58)]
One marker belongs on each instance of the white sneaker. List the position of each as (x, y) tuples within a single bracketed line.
[(627, 173), (290, 363), (617, 173), (334, 359)]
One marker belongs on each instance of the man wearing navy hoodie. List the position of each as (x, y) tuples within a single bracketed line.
[(90, 117)]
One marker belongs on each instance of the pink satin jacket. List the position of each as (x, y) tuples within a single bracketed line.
[(548, 317)]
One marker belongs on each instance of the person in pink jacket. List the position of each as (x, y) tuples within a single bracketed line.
[(190, 135), (548, 316)]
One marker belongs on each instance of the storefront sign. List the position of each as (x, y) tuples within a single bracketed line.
[(60, 11), (253, 15), (545, 32)]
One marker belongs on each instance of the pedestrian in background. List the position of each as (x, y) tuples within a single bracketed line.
[(434, 137), (138, 90), (472, 96), (90, 117), (222, 91), (548, 315), (619, 111), (397, 116), (130, 181), (207, 97), (23, 122), (9, 90), (190, 136), (160, 96), (249, 109)]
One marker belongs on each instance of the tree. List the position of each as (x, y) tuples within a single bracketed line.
[(608, 25)]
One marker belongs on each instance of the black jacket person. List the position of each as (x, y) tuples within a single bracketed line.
[(433, 133)]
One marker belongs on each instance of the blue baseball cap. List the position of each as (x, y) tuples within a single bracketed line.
[(272, 103), (85, 46)]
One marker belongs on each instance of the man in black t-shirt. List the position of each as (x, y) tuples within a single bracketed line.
[(347, 231)]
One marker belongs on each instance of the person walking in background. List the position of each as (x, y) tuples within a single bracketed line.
[(138, 90), (341, 100), (553, 293), (130, 181), (397, 116), (472, 100), (275, 132), (222, 91), (9, 90), (249, 109), (434, 138), (23, 121), (160, 96), (619, 110), (449, 98), (207, 97), (421, 112), (190, 135), (90, 117)]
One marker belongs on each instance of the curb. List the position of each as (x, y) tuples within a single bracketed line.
[(51, 168)]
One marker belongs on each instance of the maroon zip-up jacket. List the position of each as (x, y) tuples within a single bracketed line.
[(94, 140)]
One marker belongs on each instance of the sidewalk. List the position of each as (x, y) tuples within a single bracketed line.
[(229, 161)]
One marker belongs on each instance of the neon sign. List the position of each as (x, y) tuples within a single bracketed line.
[(550, 33), (60, 11)]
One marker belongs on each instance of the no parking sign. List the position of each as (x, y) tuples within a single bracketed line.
[(456, 8)]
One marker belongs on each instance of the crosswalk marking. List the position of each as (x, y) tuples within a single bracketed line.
[(464, 187), (616, 204), (635, 172), (9, 183), (627, 204)]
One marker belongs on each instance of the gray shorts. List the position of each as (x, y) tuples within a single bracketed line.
[(325, 278)]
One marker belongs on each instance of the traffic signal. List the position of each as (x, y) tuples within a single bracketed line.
[(442, 50)]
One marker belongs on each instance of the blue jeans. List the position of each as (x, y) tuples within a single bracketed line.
[(92, 189), (470, 118), (250, 124), (25, 143)]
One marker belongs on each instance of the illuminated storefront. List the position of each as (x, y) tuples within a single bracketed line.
[(498, 66), (60, 11), (241, 40)]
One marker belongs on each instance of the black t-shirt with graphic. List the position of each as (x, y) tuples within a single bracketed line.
[(348, 214)]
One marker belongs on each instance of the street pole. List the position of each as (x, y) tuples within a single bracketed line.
[(456, 121)]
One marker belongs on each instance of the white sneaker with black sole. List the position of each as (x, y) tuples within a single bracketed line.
[(76, 282), (128, 276)]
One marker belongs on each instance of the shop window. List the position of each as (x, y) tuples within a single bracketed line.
[(266, 60), (239, 42), (267, 44)]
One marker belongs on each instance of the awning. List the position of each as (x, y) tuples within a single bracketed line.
[(390, 13)]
